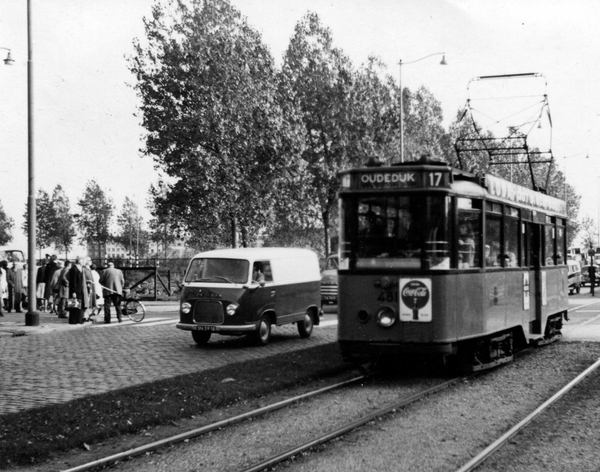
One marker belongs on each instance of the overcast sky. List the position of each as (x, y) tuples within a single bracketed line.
[(84, 107)]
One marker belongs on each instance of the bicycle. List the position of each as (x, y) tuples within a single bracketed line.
[(134, 309), (131, 307)]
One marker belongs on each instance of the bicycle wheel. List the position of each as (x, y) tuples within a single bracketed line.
[(135, 310)]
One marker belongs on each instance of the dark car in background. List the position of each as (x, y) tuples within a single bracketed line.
[(329, 283), (585, 276)]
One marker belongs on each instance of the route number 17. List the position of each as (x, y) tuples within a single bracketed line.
[(435, 179)]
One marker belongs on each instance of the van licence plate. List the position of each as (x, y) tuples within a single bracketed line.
[(206, 328)]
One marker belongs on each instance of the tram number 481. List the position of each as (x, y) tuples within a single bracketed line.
[(388, 296)]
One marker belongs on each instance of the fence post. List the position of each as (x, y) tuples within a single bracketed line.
[(155, 280)]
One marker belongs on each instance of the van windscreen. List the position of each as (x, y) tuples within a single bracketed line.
[(233, 271)]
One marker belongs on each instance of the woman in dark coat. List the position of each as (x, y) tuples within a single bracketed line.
[(78, 290)]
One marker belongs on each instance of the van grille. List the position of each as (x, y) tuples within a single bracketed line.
[(209, 312)]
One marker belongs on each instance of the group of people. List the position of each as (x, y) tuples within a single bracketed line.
[(13, 287), (73, 290)]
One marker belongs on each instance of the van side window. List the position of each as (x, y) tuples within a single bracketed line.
[(268, 272), (261, 272), (258, 274)]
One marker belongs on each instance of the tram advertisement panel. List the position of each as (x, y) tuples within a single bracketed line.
[(415, 300)]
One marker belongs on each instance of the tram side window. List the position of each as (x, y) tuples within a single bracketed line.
[(511, 241), (469, 237), (493, 227), (560, 244), (549, 245)]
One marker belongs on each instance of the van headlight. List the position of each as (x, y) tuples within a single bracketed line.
[(186, 308), (386, 317), (232, 308)]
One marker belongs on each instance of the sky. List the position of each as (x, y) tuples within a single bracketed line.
[(84, 107)]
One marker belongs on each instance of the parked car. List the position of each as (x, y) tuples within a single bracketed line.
[(248, 290), (585, 277), (329, 282), (574, 275)]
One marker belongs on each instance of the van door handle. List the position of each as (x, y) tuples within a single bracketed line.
[(272, 293)]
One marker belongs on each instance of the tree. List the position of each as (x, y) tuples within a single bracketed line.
[(130, 227), (45, 216), (319, 79), (96, 214), (6, 226), (62, 226), (424, 133), (589, 232), (374, 115), (211, 110)]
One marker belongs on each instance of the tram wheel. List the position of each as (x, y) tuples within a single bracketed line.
[(263, 334), (305, 327), (201, 337)]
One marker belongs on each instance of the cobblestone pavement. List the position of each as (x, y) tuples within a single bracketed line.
[(56, 362), (70, 362)]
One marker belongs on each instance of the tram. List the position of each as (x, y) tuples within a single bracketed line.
[(435, 260)]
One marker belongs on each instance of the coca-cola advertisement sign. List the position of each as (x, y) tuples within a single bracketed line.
[(415, 297)]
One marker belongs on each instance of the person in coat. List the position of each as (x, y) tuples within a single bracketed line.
[(91, 288), (112, 281), (78, 290), (3, 286), (63, 292), (16, 280), (49, 270), (55, 285)]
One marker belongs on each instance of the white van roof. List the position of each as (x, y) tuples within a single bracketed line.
[(254, 253), (289, 265)]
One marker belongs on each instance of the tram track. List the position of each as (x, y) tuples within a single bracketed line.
[(486, 453), (178, 438), (306, 425), (274, 460)]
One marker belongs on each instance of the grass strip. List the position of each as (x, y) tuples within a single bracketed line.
[(40, 434)]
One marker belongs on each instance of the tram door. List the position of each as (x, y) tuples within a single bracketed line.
[(535, 234)]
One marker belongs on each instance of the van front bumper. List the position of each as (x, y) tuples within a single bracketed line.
[(216, 328)]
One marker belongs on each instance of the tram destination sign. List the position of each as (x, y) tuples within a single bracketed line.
[(524, 196), (392, 179)]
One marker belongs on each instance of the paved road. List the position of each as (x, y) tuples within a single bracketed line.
[(56, 362)]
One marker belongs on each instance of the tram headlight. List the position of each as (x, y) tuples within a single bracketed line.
[(186, 308), (386, 317), (231, 308)]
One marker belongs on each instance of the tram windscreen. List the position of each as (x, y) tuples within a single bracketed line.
[(409, 231)]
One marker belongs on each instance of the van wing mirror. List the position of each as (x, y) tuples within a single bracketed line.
[(254, 285)]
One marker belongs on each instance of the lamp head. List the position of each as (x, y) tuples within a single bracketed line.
[(443, 61), (9, 61)]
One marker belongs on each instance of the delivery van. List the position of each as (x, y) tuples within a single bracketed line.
[(574, 276), (249, 290)]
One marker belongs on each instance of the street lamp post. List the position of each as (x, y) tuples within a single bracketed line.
[(32, 317), (400, 64)]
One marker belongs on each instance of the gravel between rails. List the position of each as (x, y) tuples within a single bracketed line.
[(440, 433)]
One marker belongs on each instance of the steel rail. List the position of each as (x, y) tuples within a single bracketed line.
[(208, 428), (488, 451), (352, 425)]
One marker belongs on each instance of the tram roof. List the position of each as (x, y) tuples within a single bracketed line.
[(411, 176)]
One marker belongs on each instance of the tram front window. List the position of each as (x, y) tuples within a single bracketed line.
[(399, 231)]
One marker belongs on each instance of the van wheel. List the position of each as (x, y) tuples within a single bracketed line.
[(201, 337), (305, 326), (263, 333)]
